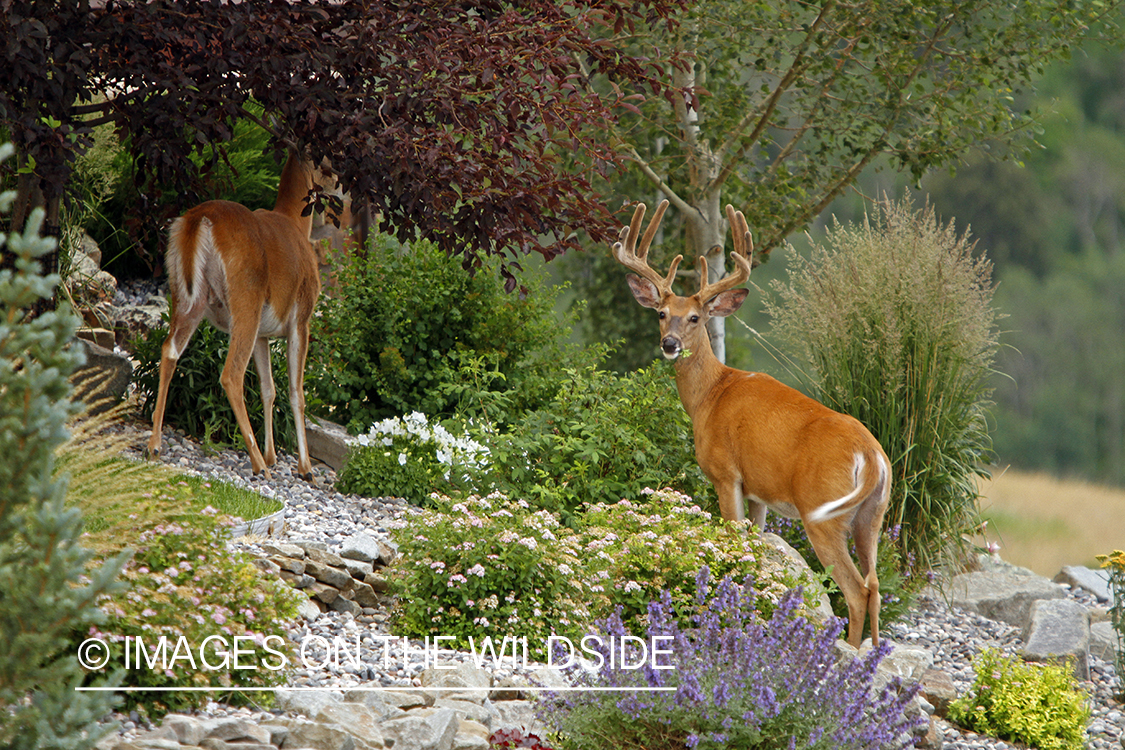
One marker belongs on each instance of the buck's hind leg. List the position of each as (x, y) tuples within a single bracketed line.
[(243, 338), (269, 393), (296, 352), (829, 541), (180, 330)]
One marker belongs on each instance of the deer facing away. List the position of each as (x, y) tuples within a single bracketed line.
[(254, 275), (760, 442)]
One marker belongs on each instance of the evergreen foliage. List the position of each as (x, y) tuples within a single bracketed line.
[(47, 594)]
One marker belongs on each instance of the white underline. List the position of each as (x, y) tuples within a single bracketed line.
[(392, 689)]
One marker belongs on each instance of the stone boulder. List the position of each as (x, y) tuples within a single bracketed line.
[(1094, 581), (793, 559), (1003, 595), (101, 382), (1059, 631)]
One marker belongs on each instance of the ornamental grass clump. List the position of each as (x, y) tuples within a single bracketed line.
[(894, 323), (1035, 704), (734, 681)]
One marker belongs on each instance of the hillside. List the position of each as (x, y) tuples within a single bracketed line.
[(1043, 522)]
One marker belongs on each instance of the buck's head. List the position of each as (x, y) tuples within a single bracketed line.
[(683, 320)]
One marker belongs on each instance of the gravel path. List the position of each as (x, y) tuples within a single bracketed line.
[(317, 512)]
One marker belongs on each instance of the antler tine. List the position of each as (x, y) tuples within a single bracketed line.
[(636, 259), (742, 254)]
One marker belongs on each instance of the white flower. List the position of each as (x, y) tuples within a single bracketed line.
[(402, 459), (476, 570)]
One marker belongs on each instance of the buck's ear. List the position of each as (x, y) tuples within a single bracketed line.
[(644, 291), (726, 303)]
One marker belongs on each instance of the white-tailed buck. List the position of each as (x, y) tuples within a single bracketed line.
[(254, 275), (762, 442)]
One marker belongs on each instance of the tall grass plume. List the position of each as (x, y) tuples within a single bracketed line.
[(893, 321)]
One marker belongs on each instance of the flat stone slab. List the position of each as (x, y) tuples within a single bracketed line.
[(1094, 581), (327, 441), (1002, 595), (1059, 631)]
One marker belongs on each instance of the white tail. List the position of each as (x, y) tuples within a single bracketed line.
[(762, 443), (254, 275)]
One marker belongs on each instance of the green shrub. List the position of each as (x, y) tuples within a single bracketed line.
[(1114, 564), (1038, 705), (393, 337), (185, 583), (601, 437), (895, 323), (638, 550), (197, 403), (410, 458), (488, 566), (493, 566)]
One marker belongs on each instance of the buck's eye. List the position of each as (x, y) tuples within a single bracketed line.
[(663, 315), (694, 318)]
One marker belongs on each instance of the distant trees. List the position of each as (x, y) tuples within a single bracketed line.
[(789, 102)]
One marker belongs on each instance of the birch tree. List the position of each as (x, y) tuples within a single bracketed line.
[(783, 104)]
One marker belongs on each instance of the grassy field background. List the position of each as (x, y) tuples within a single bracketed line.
[(1044, 523)]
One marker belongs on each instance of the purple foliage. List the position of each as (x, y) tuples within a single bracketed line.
[(740, 682)]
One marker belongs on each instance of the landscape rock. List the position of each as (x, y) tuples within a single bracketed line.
[(322, 592), (469, 710), (938, 690), (101, 382), (324, 557), (400, 700), (1059, 631), (377, 582), (823, 611), (187, 729), (291, 564), (519, 714), (359, 720), (140, 320), (282, 549), (307, 703), (341, 604), (320, 736), (238, 730), (463, 741), (357, 568), (328, 442), (1094, 581), (1103, 641), (361, 547), (365, 595), (423, 729), (1005, 596)]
